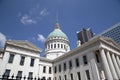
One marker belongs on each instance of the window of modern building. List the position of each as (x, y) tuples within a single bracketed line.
[(59, 77), (77, 62), (87, 74), (65, 77), (79, 76), (71, 75), (32, 62), (85, 59), (19, 75), (11, 58), (55, 69), (50, 70), (44, 69), (22, 60), (30, 75), (7, 72), (64, 65), (70, 64), (59, 68)]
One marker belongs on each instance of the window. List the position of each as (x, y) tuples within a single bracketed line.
[(85, 59), (32, 62), (64, 66), (19, 75), (88, 74), (11, 58), (70, 64), (77, 62), (55, 78), (22, 60), (97, 55), (7, 72), (49, 78), (71, 75), (44, 69), (78, 74), (50, 70), (59, 77), (55, 69), (59, 68), (65, 77), (54, 45), (51, 46), (58, 45), (61, 45), (30, 75)]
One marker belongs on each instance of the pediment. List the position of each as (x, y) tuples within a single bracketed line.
[(110, 41), (24, 44)]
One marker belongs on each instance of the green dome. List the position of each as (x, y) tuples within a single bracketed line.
[(57, 32)]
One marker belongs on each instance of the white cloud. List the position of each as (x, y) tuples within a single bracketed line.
[(26, 19), (2, 39), (44, 12), (41, 38)]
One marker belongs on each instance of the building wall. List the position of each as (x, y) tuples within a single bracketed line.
[(45, 74), (91, 65), (15, 66)]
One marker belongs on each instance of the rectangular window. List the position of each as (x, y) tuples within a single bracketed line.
[(30, 75), (65, 77), (71, 75), (44, 69), (49, 78), (19, 75), (50, 70), (59, 77), (88, 74), (64, 66), (7, 72), (70, 64), (11, 58), (59, 68), (77, 62), (78, 74), (85, 59), (55, 69), (55, 78), (32, 62), (97, 57), (22, 60)]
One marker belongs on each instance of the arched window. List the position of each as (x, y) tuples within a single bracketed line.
[(51, 46), (54, 45), (58, 45), (61, 45)]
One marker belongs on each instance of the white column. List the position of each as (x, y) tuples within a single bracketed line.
[(105, 65), (116, 65), (118, 60), (115, 77)]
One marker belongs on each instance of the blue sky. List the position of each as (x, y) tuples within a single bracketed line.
[(33, 20)]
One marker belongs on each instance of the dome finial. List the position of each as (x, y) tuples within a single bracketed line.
[(57, 26)]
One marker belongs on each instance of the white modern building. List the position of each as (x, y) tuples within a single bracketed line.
[(97, 59)]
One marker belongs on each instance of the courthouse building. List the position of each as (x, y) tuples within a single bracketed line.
[(96, 59)]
